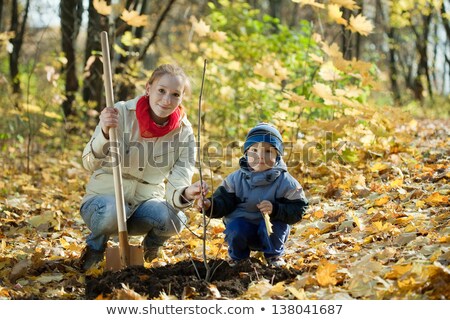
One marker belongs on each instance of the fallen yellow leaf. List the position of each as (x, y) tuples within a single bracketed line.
[(326, 273), (378, 167), (381, 201), (436, 199), (398, 271)]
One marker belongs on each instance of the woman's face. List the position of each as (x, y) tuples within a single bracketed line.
[(261, 156), (165, 95)]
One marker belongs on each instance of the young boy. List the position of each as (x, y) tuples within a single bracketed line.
[(261, 186)]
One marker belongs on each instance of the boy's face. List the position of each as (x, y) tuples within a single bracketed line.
[(261, 156)]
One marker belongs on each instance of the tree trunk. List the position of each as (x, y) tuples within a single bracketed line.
[(93, 70), (422, 65), (358, 39), (346, 44), (294, 17), (392, 53), (143, 10), (275, 8), (393, 67), (445, 22), (124, 89), (70, 22), (1, 15), (156, 29), (17, 41)]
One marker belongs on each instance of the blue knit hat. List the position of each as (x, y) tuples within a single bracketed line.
[(264, 132)]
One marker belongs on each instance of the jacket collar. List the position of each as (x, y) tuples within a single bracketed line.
[(261, 178)]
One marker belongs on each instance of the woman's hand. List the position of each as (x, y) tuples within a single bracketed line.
[(265, 207), (109, 118), (195, 191)]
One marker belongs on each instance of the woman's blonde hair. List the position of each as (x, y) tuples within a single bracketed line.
[(173, 70)]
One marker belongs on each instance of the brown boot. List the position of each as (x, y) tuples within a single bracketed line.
[(150, 253), (90, 257)]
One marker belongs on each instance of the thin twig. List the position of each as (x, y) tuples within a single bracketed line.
[(199, 127), (187, 250)]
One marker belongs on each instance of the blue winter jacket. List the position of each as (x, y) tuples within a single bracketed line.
[(243, 189)]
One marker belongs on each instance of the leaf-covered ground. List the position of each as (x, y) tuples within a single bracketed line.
[(378, 228)]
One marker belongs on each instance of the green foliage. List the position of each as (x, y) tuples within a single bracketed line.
[(436, 108), (261, 70)]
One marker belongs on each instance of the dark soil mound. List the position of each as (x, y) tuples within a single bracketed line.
[(181, 279)]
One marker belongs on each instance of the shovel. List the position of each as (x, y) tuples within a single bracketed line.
[(124, 255)]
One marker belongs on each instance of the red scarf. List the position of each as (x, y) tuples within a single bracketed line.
[(148, 127)]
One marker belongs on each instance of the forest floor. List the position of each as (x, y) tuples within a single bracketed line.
[(376, 229)]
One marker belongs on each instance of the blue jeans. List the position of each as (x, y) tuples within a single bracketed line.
[(152, 218), (243, 236)]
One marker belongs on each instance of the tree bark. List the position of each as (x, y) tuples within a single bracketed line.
[(346, 44), (70, 23), (93, 70), (445, 22), (155, 30), (275, 8), (393, 67), (422, 65), (19, 31), (1, 15), (392, 53)]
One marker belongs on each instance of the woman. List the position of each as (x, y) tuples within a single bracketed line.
[(157, 147)]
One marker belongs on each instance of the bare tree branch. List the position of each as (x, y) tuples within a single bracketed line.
[(155, 31)]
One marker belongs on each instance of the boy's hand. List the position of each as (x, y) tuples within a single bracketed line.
[(265, 207), (203, 203)]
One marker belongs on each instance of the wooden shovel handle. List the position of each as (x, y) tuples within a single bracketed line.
[(115, 152)]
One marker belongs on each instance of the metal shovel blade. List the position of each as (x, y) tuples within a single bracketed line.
[(113, 262)]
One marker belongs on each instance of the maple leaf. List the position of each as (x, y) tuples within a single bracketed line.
[(264, 70), (126, 293), (129, 40), (298, 294), (257, 85), (216, 52), (436, 199), (398, 271), (335, 14), (200, 27), (322, 90), (312, 3), (258, 289), (360, 24), (133, 18), (102, 7), (219, 36), (349, 4), (326, 273), (316, 58), (328, 72), (332, 50), (282, 72), (381, 200)]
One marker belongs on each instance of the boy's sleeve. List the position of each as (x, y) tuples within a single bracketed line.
[(224, 199), (291, 207)]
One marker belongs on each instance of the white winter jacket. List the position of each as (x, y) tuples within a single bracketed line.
[(151, 167)]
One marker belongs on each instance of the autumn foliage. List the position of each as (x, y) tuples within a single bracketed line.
[(378, 226)]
